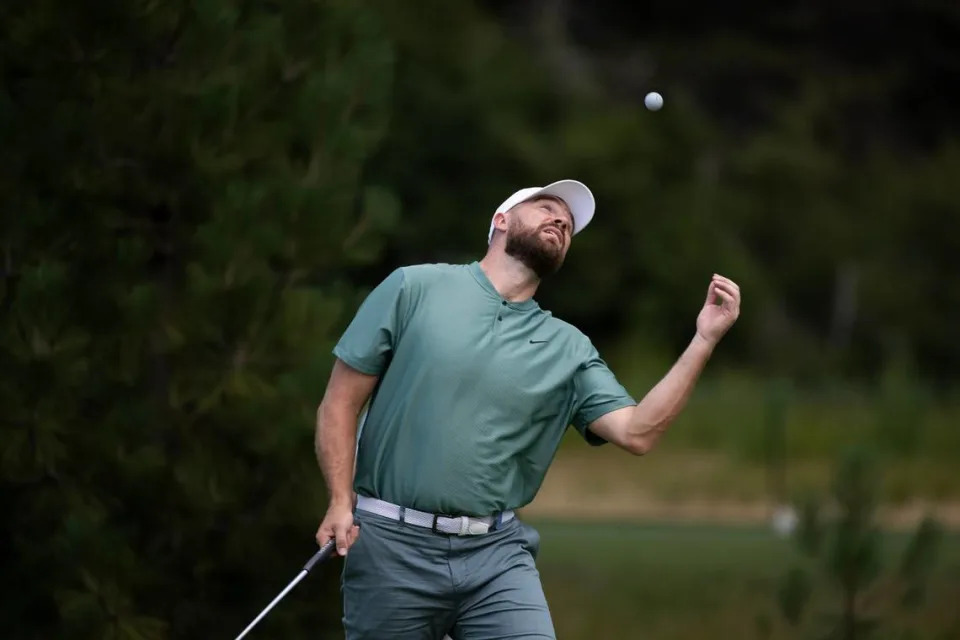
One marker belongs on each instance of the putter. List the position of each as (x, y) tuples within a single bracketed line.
[(324, 553)]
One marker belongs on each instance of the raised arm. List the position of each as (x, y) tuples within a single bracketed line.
[(637, 429)]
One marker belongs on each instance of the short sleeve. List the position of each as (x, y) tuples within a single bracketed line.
[(372, 335), (597, 393)]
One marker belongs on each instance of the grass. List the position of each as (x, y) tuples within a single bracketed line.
[(675, 581), (680, 582), (736, 423), (735, 408), (675, 472)]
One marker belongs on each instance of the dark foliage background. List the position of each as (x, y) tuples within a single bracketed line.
[(195, 197)]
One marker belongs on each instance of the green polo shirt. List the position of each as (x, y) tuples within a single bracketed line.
[(475, 392)]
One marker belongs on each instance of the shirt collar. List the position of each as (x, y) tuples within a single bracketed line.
[(481, 277)]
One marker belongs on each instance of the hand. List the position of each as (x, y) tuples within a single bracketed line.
[(338, 523), (715, 319)]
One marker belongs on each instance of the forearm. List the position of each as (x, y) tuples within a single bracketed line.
[(335, 445), (664, 402)]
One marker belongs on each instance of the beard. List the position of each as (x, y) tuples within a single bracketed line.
[(542, 257)]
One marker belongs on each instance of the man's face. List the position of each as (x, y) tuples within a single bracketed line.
[(539, 233)]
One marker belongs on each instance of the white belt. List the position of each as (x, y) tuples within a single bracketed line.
[(459, 525)]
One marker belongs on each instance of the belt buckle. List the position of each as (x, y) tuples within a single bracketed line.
[(467, 526)]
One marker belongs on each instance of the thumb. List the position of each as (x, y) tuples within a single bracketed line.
[(711, 295)]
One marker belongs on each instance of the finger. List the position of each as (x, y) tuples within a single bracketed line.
[(728, 301), (726, 284), (343, 542), (354, 534), (719, 278), (711, 294), (728, 289), (323, 535)]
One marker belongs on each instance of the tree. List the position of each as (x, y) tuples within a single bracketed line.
[(182, 195), (856, 595)]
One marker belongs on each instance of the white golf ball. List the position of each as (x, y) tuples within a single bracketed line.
[(785, 520), (653, 100)]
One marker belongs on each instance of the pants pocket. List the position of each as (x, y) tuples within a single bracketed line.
[(531, 540)]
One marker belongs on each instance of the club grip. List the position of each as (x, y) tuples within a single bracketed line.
[(324, 553)]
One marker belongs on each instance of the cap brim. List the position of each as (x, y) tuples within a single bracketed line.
[(578, 197), (575, 194)]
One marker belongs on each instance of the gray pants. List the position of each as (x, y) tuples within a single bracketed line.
[(402, 582)]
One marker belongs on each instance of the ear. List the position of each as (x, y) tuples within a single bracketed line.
[(500, 221)]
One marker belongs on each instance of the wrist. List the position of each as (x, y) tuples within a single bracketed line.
[(702, 345), (341, 501)]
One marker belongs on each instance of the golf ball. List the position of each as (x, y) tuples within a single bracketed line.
[(653, 100), (785, 520)]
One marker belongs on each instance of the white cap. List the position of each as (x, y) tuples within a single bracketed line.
[(576, 194)]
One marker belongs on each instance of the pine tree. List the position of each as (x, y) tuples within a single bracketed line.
[(182, 195), (850, 591)]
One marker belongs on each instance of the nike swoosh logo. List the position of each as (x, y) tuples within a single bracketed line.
[(537, 341)]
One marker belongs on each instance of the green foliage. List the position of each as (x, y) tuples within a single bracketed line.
[(794, 594), (918, 561), (847, 556), (692, 577), (810, 529), (183, 195), (196, 196), (902, 412), (790, 183), (776, 403)]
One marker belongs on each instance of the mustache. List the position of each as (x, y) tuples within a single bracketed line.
[(549, 225)]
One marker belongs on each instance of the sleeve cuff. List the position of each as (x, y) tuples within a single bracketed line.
[(598, 411), (366, 366), (602, 409)]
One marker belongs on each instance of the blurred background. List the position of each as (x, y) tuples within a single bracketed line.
[(197, 196)]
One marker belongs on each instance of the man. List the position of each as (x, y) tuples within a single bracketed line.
[(471, 387)]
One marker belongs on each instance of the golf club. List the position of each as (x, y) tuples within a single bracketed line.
[(324, 552)]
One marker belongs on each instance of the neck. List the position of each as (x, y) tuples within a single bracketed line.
[(511, 278)]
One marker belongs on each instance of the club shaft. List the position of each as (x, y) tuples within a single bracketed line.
[(290, 586), (324, 552)]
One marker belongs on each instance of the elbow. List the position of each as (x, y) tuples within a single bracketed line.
[(642, 432), (639, 445), (642, 443)]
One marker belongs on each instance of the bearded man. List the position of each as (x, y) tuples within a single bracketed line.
[(469, 387)]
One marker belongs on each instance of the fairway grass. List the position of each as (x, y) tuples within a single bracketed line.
[(675, 483), (682, 581)]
